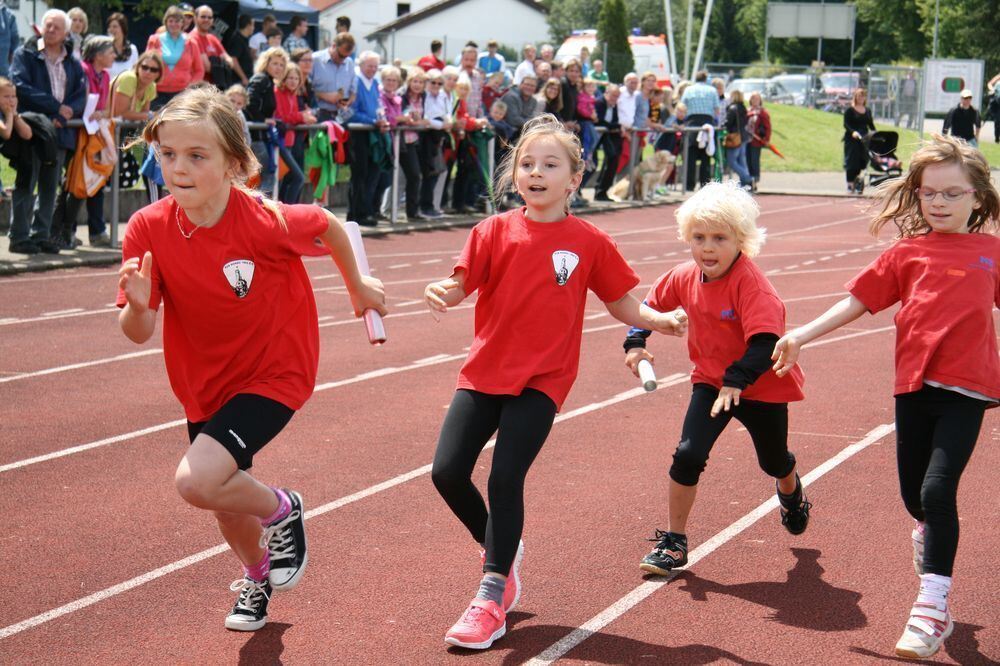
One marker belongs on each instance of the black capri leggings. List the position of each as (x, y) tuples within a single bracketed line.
[(522, 422), (767, 423), (936, 432)]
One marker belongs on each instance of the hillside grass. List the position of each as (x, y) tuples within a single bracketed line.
[(810, 140)]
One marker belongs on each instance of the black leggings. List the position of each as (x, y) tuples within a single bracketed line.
[(936, 432), (522, 422), (767, 423)]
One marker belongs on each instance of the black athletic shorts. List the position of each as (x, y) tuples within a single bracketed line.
[(244, 425)]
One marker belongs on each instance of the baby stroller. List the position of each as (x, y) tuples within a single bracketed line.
[(882, 161)]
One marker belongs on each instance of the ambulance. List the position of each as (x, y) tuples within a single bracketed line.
[(648, 51)]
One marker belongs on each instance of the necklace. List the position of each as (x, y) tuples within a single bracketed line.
[(180, 226)]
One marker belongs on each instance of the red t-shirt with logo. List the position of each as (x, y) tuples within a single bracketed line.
[(722, 317), (948, 285), (210, 46), (533, 279), (238, 309)]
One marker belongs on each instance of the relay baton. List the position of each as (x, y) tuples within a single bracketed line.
[(646, 375), (373, 320)]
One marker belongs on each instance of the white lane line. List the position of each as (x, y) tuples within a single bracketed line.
[(56, 313), (394, 315), (596, 316), (114, 590), (46, 278), (809, 263), (374, 374), (650, 258), (790, 268), (406, 304), (395, 266), (826, 258), (382, 372), (813, 298), (77, 366), (8, 322), (780, 272), (827, 341), (431, 261), (816, 226), (640, 593)]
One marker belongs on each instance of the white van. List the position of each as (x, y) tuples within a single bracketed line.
[(648, 51)]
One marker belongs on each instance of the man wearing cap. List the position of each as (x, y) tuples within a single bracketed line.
[(489, 60), (963, 121)]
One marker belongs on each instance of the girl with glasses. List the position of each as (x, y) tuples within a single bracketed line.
[(943, 269)]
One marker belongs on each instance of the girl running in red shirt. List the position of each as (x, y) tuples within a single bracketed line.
[(943, 269), (735, 317), (240, 331), (532, 267)]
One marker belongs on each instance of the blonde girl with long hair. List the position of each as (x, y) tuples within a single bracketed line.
[(943, 270), (533, 267), (240, 331)]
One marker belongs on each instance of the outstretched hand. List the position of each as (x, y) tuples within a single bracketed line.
[(785, 354), (633, 356), (442, 295), (136, 281), (671, 323)]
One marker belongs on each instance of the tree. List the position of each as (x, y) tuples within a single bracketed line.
[(565, 16), (612, 39)]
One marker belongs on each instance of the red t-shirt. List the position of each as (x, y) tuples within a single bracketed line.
[(429, 62), (239, 314), (210, 46), (722, 317), (533, 279), (948, 285)]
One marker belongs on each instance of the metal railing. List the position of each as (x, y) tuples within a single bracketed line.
[(123, 125)]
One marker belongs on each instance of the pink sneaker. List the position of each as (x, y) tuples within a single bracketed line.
[(482, 623), (512, 592)]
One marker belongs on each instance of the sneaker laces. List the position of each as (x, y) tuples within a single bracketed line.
[(278, 538), (250, 594), (665, 541)]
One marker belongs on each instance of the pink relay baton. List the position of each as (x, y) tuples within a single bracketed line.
[(373, 320)]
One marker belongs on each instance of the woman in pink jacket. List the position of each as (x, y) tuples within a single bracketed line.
[(180, 54)]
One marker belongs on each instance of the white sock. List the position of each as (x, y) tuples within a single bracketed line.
[(934, 590)]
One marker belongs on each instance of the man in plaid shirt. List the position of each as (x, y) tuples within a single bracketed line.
[(702, 101)]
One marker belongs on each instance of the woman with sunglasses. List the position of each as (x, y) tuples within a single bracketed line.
[(134, 90)]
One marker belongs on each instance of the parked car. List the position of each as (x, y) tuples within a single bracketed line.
[(800, 87), (770, 91), (836, 89)]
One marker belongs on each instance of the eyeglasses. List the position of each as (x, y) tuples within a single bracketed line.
[(151, 70), (954, 194), (435, 83)]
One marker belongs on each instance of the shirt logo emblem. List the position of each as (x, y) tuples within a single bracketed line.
[(564, 262), (239, 273), (728, 315)]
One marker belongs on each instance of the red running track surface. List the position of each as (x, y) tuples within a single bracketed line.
[(105, 564)]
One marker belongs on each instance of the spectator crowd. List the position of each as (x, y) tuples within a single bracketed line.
[(306, 106)]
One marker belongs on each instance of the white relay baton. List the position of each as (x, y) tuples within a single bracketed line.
[(373, 320), (646, 375)]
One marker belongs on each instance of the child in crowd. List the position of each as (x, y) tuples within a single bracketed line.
[(943, 269), (274, 37), (735, 317), (240, 329), (505, 259), (288, 114), (10, 121), (237, 95), (503, 130), (493, 90), (587, 114)]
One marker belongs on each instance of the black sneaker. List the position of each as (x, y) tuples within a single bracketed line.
[(24, 247), (250, 611), (671, 552), (286, 542), (795, 517)]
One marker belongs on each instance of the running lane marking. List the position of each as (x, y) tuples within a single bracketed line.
[(637, 595), (816, 226), (114, 590), (77, 366)]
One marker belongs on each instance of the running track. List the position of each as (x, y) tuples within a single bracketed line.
[(105, 564)]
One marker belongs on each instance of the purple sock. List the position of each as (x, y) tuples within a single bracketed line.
[(258, 572), (284, 508)]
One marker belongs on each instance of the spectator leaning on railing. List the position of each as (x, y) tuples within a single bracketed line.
[(611, 141), (392, 106), (133, 91), (702, 102), (437, 110), (521, 103), (286, 92), (181, 55), (50, 82), (411, 143), (759, 127)]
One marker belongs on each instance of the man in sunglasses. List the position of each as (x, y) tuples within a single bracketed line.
[(333, 77)]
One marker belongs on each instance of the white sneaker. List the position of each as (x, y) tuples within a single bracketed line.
[(918, 547), (925, 632)]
